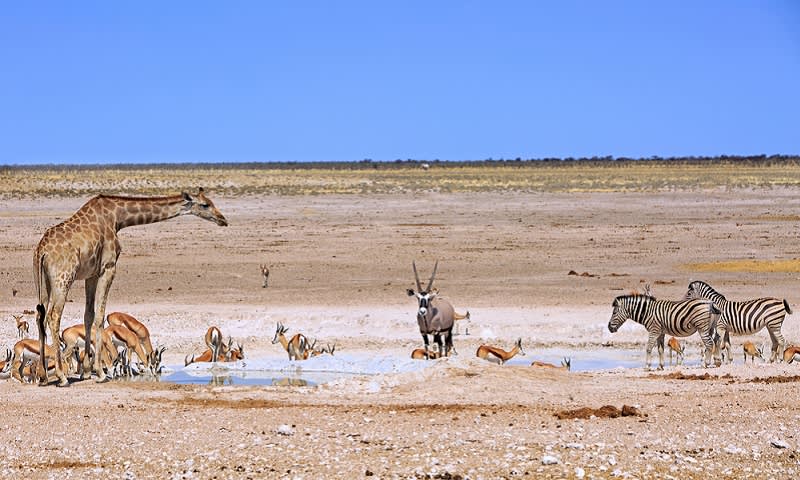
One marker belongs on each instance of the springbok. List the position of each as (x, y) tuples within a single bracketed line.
[(296, 347), (498, 355), (233, 355), (27, 351), (22, 326), (213, 339), (5, 365), (421, 354), (790, 353), (74, 339), (435, 316), (674, 345), (122, 337), (139, 329), (265, 274), (566, 364), (750, 350)]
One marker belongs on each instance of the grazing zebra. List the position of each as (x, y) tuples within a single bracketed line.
[(660, 317), (744, 318)]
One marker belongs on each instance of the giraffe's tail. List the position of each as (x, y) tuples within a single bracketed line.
[(40, 316)]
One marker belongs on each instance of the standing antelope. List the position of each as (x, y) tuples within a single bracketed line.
[(74, 339), (498, 355), (22, 326), (265, 274), (746, 317), (141, 332), (122, 337), (675, 346), (435, 316), (296, 347), (749, 349), (27, 351), (790, 353), (566, 364)]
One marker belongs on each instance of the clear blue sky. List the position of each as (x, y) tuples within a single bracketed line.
[(193, 81)]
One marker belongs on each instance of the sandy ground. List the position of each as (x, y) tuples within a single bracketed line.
[(340, 266)]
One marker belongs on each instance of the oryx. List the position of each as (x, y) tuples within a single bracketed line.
[(435, 315)]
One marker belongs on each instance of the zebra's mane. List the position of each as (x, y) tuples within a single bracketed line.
[(631, 296)]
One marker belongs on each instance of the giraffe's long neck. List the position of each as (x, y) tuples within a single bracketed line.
[(130, 211)]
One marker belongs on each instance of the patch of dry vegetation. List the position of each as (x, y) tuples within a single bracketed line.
[(392, 178)]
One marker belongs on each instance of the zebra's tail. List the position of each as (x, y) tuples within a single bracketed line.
[(786, 306)]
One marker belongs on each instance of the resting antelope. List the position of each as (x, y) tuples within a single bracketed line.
[(790, 353), (5, 365), (566, 364), (22, 326), (674, 345), (122, 337), (233, 355), (265, 274), (421, 354), (498, 355), (296, 347), (141, 332), (213, 340), (435, 316), (750, 350)]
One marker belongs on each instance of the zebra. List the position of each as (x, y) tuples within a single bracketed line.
[(660, 317), (744, 318)]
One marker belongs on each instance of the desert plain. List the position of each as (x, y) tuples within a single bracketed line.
[(536, 252)]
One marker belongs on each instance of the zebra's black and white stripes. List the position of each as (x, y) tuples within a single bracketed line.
[(661, 317), (744, 318)]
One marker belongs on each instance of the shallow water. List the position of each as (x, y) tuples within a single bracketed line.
[(259, 377)]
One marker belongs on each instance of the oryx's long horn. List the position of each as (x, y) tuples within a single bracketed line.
[(416, 275), (430, 283)]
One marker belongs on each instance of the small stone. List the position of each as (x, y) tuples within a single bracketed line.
[(285, 430), (579, 472), (779, 444), (549, 460)]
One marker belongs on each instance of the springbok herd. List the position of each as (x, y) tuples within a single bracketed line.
[(86, 247)]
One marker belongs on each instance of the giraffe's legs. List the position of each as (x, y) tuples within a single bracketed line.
[(88, 319), (101, 295), (58, 298)]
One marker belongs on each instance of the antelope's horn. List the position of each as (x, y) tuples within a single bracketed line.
[(416, 275), (433, 275)]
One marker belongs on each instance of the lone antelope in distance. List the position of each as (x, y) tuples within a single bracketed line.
[(674, 345), (498, 355), (265, 274), (435, 316), (791, 353), (22, 326), (750, 350), (566, 364)]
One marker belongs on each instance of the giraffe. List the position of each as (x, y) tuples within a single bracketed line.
[(86, 247)]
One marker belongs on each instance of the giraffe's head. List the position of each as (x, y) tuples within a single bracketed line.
[(203, 207)]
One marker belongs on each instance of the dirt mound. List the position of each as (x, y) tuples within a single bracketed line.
[(776, 379), (683, 376), (606, 411)]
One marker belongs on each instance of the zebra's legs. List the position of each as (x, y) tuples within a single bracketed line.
[(778, 343), (651, 342), (709, 350), (661, 352)]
